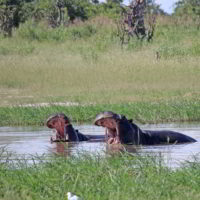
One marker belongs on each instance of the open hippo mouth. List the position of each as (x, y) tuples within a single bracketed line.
[(109, 120), (65, 132), (55, 118), (58, 122)]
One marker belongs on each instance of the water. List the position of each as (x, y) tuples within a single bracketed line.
[(35, 141)]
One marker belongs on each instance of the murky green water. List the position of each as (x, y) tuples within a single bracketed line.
[(31, 141)]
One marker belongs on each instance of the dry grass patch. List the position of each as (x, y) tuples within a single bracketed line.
[(117, 76)]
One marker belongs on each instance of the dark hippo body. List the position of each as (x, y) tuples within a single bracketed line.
[(121, 130), (148, 137), (65, 132), (75, 135)]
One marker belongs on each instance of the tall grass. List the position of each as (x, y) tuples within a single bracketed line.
[(94, 177)]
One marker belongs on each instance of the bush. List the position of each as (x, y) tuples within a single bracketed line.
[(41, 32)]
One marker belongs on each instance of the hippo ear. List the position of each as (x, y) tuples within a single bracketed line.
[(122, 117), (130, 120)]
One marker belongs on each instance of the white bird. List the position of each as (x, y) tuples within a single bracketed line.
[(71, 196)]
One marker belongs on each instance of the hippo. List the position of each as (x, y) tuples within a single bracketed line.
[(120, 130), (65, 132)]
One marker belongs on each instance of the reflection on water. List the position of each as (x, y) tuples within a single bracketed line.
[(28, 141)]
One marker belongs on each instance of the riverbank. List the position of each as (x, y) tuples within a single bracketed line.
[(142, 112), (117, 177)]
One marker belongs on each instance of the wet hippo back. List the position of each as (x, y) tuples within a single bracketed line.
[(71, 133), (74, 135), (170, 137), (82, 137)]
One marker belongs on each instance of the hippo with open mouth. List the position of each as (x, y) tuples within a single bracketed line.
[(65, 132), (120, 130)]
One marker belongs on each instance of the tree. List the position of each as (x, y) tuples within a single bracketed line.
[(154, 8), (114, 1), (95, 1), (11, 15), (189, 8), (138, 19), (77, 8)]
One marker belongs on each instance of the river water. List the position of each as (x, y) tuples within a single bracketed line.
[(35, 141)]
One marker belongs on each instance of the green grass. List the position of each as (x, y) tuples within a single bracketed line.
[(143, 112), (120, 176), (85, 64)]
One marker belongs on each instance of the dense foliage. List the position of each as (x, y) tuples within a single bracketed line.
[(14, 12), (189, 9), (56, 13)]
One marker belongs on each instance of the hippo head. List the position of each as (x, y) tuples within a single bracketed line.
[(119, 130), (58, 122), (56, 118), (109, 120)]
